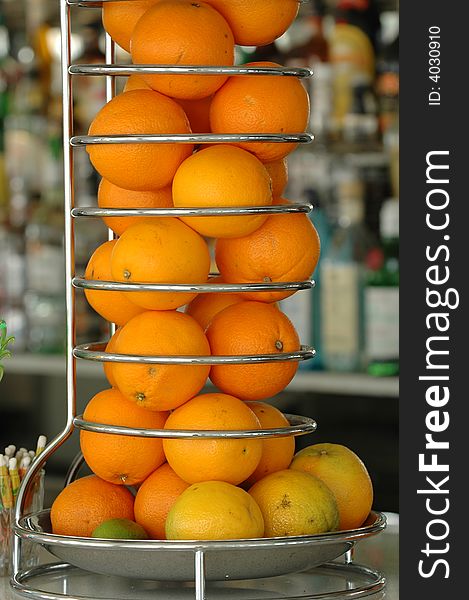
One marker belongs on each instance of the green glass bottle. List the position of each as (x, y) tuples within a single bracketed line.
[(382, 297)]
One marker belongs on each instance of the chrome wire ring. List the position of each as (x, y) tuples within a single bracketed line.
[(298, 426), (96, 352), (203, 288), (125, 70), (374, 583), (206, 211), (192, 138)]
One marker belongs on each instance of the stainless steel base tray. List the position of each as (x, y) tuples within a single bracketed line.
[(174, 560), (331, 581)]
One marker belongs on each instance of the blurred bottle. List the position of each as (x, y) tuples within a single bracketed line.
[(323, 227), (382, 296), (342, 279), (387, 87), (387, 72), (352, 57), (4, 46), (45, 264)]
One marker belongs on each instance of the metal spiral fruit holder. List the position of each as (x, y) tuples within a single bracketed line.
[(176, 561)]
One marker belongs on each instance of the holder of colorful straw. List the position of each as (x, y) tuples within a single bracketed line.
[(13, 467)]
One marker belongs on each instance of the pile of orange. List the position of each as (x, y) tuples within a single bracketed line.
[(207, 487)]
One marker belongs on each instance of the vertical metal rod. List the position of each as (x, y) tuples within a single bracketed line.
[(67, 118), (199, 575), (110, 56), (348, 556)]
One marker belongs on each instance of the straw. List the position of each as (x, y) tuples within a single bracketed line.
[(10, 450), (14, 476), (20, 453), (41, 444), (6, 493), (24, 465)]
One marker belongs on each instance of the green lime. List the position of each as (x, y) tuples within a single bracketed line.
[(120, 529)]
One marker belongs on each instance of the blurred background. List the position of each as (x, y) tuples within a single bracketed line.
[(350, 173)]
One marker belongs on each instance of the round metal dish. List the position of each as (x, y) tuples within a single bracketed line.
[(95, 352), (330, 581), (206, 211), (123, 70), (172, 560), (192, 138), (202, 288), (298, 426)]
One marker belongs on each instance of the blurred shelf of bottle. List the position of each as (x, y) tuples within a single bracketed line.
[(352, 47)]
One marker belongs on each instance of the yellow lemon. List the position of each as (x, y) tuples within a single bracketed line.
[(295, 503), (214, 510)]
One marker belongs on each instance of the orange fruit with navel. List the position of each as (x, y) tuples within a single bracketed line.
[(230, 460), (222, 175), (182, 32), (154, 500), (135, 82), (86, 502), (205, 306), (157, 386), (160, 250), (115, 307), (259, 22), (285, 248), (111, 348), (277, 452), (139, 166), (197, 111), (112, 196), (267, 104), (278, 171), (252, 328), (121, 459), (120, 18)]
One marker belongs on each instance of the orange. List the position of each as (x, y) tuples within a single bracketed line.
[(214, 510), (154, 499), (252, 328), (230, 460), (267, 104), (154, 386), (222, 175), (183, 32), (111, 196), (257, 23), (160, 250), (120, 18), (278, 171), (135, 82), (121, 459), (140, 167), (277, 453), (284, 248), (345, 474), (295, 503), (197, 111), (111, 348), (205, 306), (115, 307), (86, 503)]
